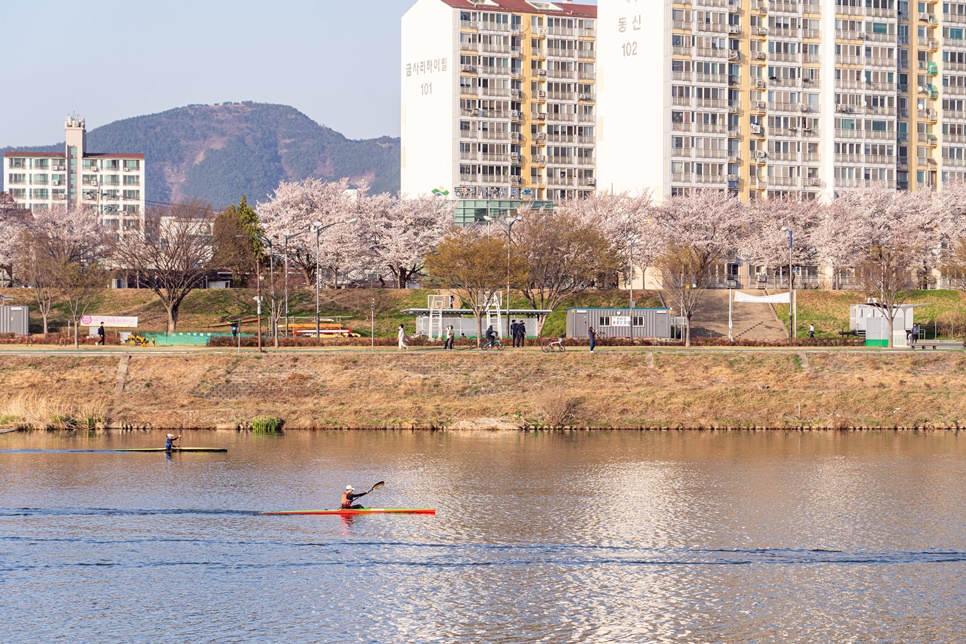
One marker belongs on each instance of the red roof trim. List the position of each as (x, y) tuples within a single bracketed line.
[(521, 6)]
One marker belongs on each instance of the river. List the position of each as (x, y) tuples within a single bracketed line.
[(561, 537)]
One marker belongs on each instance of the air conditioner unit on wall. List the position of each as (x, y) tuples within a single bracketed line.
[(760, 154), (762, 31), (591, 181), (761, 55)]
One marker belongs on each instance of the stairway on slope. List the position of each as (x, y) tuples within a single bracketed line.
[(750, 321)]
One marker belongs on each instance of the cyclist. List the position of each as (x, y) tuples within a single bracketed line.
[(490, 335)]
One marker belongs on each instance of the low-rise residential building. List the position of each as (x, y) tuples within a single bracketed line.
[(112, 183)]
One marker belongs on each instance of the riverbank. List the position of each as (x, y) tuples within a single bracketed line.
[(470, 389)]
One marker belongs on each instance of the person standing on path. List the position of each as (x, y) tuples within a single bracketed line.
[(811, 330), (449, 337), (593, 338), (401, 335), (521, 335)]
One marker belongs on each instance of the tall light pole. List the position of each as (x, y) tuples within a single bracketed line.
[(287, 237), (508, 224), (791, 286), (319, 229), (258, 277), (632, 239)]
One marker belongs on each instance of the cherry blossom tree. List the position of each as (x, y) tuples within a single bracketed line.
[(697, 231), (304, 206), (13, 223), (624, 220), (765, 242), (401, 232), (898, 236)]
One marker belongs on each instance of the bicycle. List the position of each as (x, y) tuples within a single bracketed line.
[(556, 345), (495, 343)]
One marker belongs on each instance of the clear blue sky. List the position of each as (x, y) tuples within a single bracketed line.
[(335, 60)]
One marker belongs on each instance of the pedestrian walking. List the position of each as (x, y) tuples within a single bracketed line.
[(100, 335), (449, 337), (521, 336), (811, 330), (401, 334), (513, 334), (915, 333), (593, 338)]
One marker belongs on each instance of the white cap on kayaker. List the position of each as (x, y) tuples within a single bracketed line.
[(349, 487), (170, 435)]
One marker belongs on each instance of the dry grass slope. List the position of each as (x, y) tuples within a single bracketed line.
[(515, 389)]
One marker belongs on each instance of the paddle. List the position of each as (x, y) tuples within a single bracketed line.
[(376, 486)]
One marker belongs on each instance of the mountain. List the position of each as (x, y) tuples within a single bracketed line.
[(220, 152)]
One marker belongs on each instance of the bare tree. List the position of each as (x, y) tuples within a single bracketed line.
[(39, 271), (475, 266), (563, 255), (79, 284), (172, 253)]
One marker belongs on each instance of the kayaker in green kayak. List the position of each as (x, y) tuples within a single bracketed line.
[(169, 442), (349, 496)]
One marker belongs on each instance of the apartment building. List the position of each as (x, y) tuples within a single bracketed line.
[(498, 102), (112, 183), (766, 98)]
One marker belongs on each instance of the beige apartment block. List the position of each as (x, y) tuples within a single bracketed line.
[(110, 182)]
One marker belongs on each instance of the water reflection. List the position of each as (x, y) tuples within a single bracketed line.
[(604, 537)]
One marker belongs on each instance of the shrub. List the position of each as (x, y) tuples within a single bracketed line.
[(267, 424)]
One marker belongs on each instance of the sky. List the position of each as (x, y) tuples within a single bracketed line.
[(336, 61)]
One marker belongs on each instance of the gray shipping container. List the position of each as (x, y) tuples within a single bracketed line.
[(15, 319), (616, 323)]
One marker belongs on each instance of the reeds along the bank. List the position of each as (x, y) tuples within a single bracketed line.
[(34, 411)]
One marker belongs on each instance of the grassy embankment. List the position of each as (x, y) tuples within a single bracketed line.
[(468, 389), (203, 309), (944, 313)]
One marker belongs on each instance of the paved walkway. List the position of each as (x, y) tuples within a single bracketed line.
[(751, 321)]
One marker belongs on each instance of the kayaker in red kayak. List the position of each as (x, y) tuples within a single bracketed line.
[(349, 496)]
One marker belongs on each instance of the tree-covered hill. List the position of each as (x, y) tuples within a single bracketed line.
[(219, 152)]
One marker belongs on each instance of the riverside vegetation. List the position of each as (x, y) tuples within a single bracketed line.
[(355, 387), (469, 389)]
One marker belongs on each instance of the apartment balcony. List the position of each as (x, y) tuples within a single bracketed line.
[(720, 79), (681, 25), (495, 135), (954, 17), (711, 153), (563, 182), (493, 27), (783, 181), (566, 97), (562, 74), (710, 27), (560, 117), (557, 30), (682, 127), (712, 103), (554, 52), (783, 156), (785, 7), (682, 153), (492, 70), (586, 54), (880, 159), (850, 134), (812, 34), (586, 118), (16, 181), (848, 34), (681, 50), (711, 52), (682, 76), (711, 179), (586, 76), (711, 128), (786, 33), (469, 25), (811, 58)]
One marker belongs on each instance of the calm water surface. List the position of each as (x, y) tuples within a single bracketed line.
[(602, 537)]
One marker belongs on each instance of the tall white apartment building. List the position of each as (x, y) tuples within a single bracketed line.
[(780, 97), (112, 183), (498, 102)]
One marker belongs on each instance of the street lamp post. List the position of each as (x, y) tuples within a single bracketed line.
[(508, 224), (287, 237), (791, 287), (319, 229), (258, 277), (632, 239)]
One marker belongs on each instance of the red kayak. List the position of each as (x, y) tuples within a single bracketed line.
[(346, 512)]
